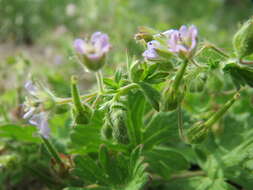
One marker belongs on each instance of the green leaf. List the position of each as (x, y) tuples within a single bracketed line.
[(110, 166), (165, 161), (161, 128), (157, 77), (151, 95), (110, 83), (86, 168), (136, 106), (87, 137), (118, 76), (19, 133), (241, 75), (138, 176)]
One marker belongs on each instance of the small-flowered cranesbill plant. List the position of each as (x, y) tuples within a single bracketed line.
[(139, 130)]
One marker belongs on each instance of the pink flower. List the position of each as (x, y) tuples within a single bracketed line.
[(151, 52), (33, 111), (40, 120), (95, 48), (183, 41)]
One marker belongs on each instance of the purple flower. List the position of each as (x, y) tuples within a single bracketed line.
[(183, 41), (30, 102), (40, 120), (151, 52), (33, 106), (31, 88), (93, 50), (152, 47)]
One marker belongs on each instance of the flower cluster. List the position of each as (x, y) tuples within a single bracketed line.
[(181, 42), (34, 110), (92, 52)]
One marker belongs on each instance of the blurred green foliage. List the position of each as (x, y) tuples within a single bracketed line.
[(55, 23)]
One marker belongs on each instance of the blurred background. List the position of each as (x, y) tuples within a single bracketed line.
[(42, 31), (36, 37)]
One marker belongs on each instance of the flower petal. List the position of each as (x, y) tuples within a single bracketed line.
[(101, 42), (29, 113), (31, 88), (79, 46), (40, 120)]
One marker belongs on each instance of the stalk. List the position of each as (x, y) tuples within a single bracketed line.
[(179, 75), (100, 83), (52, 151)]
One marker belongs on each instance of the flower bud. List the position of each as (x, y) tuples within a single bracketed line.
[(92, 53), (171, 99), (106, 130), (172, 96), (145, 33), (119, 130), (198, 84), (136, 72), (243, 39), (118, 120), (81, 112)]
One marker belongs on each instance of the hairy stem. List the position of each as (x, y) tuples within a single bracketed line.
[(221, 112), (100, 83), (180, 75), (52, 151), (180, 124), (61, 101), (213, 47)]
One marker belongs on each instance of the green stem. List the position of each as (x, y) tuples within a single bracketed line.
[(180, 75), (180, 124), (194, 62), (122, 90), (125, 89), (215, 48), (100, 83), (61, 101), (214, 118), (220, 51), (52, 151)]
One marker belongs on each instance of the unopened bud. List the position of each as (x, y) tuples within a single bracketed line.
[(118, 118), (136, 72), (243, 39), (145, 33), (106, 130), (171, 99), (198, 84), (81, 112)]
